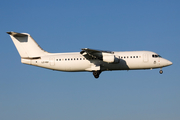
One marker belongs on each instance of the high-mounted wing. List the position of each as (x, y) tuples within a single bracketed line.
[(92, 53), (96, 51), (106, 56)]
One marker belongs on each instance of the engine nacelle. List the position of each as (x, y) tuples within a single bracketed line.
[(110, 58)]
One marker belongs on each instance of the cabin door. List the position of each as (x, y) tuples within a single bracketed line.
[(145, 58)]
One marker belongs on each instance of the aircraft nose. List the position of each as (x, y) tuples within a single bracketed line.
[(169, 62), (166, 62)]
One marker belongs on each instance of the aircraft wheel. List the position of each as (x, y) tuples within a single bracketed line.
[(160, 71), (96, 74)]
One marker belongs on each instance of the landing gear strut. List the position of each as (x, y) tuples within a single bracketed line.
[(161, 72), (96, 74)]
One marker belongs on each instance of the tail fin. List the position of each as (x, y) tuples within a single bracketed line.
[(26, 45)]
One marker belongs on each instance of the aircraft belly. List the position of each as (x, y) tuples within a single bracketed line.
[(125, 65), (138, 64)]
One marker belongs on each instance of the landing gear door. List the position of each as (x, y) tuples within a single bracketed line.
[(145, 58)]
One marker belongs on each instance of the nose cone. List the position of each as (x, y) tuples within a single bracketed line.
[(169, 63), (165, 62)]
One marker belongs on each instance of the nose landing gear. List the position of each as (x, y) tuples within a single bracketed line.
[(161, 72), (96, 74)]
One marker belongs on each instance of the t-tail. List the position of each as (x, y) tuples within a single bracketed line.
[(91, 60), (26, 45)]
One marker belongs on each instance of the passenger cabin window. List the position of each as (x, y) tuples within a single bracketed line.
[(130, 57)]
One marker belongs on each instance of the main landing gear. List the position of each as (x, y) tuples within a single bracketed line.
[(161, 72), (96, 74)]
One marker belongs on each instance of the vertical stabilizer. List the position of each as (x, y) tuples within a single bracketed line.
[(26, 45)]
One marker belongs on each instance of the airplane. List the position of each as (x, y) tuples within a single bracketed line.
[(90, 60)]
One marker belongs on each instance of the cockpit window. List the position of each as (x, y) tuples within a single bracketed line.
[(155, 56), (159, 56)]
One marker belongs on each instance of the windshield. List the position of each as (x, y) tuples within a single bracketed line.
[(156, 56)]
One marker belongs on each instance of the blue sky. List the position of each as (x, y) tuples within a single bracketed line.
[(28, 92)]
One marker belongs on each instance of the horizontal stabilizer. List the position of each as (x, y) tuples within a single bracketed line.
[(17, 34), (26, 45)]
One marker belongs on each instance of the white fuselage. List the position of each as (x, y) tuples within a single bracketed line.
[(91, 60), (74, 62)]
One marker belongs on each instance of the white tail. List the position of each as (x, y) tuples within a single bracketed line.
[(26, 45)]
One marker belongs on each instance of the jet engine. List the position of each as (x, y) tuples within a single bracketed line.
[(110, 58)]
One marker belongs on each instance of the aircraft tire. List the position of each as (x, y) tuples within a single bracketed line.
[(161, 72), (96, 74)]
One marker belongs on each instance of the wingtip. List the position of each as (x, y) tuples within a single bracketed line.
[(84, 48)]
